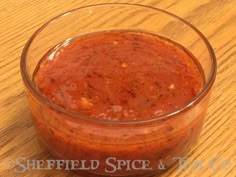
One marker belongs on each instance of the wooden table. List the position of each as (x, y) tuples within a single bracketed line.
[(215, 18)]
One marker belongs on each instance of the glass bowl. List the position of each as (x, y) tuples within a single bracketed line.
[(71, 136)]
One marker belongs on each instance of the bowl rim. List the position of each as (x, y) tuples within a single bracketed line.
[(30, 84)]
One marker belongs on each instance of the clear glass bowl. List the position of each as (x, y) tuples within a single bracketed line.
[(72, 136)]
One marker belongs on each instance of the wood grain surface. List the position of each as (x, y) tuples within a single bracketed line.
[(215, 18)]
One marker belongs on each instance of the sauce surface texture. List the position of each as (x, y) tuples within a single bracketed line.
[(119, 75)]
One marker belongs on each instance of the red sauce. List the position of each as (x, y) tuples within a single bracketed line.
[(119, 76)]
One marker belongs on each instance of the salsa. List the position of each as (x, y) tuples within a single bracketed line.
[(119, 76)]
